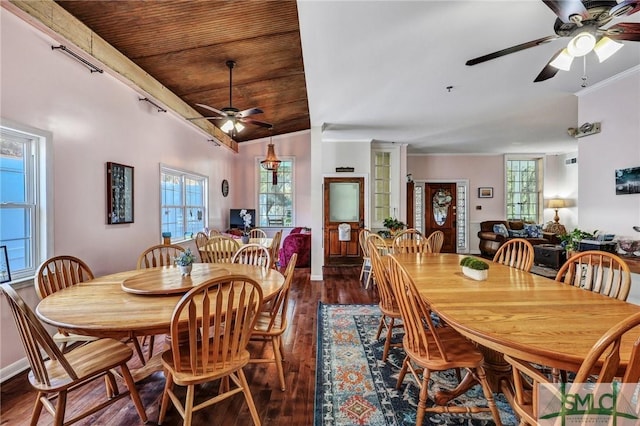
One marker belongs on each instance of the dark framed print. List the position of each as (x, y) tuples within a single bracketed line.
[(628, 181), (119, 193), (485, 192), (5, 272)]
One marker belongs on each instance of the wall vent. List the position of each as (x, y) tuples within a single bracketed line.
[(569, 161)]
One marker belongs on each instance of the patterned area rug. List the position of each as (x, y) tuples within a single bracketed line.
[(353, 387)]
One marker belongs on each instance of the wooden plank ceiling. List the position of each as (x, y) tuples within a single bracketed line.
[(185, 45)]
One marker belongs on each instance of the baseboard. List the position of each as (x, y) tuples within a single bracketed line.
[(14, 369)]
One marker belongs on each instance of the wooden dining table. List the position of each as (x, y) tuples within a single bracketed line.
[(518, 313), (138, 302)]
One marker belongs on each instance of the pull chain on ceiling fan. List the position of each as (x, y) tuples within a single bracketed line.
[(233, 117)]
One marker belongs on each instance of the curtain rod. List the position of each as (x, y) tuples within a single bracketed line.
[(74, 55)]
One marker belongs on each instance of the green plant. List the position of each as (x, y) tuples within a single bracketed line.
[(393, 224), (571, 241), (185, 258), (474, 263)]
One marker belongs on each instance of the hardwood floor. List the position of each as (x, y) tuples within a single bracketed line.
[(293, 407)]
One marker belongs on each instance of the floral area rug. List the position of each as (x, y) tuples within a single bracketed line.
[(353, 387)]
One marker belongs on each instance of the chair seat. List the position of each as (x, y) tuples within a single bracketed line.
[(71, 337), (461, 353), (392, 311), (212, 371), (262, 325), (87, 361)]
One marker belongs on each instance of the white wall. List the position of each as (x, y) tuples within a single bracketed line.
[(561, 181)]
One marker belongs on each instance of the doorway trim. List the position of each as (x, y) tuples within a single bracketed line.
[(459, 183)]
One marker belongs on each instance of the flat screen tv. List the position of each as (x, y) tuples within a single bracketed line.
[(235, 221)]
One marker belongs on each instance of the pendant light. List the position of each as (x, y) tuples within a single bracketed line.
[(271, 163)]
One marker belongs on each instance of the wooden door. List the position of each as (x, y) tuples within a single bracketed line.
[(343, 203), (440, 213)]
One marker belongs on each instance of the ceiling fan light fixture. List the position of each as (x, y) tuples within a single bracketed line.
[(239, 126), (605, 48), (227, 126), (562, 61), (581, 44)]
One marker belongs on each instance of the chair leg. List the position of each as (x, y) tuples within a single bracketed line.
[(369, 277), (188, 405), (276, 343), (248, 397), (168, 386), (403, 372), (136, 346), (387, 342), (381, 326), (133, 391), (60, 408), (488, 394), (37, 409), (424, 394), (152, 340)]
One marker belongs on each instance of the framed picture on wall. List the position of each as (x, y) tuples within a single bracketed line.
[(485, 192), (119, 193), (5, 273), (628, 181)]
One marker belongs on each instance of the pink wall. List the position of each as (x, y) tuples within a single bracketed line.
[(480, 170)]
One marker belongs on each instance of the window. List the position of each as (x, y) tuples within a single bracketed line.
[(524, 189), (381, 185), (184, 202), (275, 202), (23, 200)]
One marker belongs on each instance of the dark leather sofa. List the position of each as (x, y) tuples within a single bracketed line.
[(490, 241)]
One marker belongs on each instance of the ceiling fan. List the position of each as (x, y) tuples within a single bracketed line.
[(583, 21), (233, 117)]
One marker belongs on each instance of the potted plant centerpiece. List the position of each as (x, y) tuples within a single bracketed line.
[(475, 268), (393, 225), (246, 218), (185, 261)]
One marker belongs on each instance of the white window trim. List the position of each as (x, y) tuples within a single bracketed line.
[(257, 169), (205, 200), (43, 239)]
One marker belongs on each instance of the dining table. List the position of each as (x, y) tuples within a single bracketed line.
[(515, 312), (139, 302)]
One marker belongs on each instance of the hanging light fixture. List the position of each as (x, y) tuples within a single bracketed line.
[(271, 163)]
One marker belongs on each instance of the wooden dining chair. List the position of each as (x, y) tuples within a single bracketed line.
[(218, 351), (517, 253), (272, 323), (252, 254), (275, 248), (213, 233), (410, 241), (598, 271), (159, 255), (388, 305), (602, 366), (366, 259), (257, 233), (435, 240), (434, 349), (219, 249), (60, 272), (54, 374)]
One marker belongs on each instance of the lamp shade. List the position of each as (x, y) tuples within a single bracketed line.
[(557, 203)]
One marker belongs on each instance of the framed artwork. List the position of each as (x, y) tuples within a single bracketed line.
[(119, 193), (5, 273), (485, 192), (628, 181)]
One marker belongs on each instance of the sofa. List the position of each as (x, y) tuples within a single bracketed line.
[(492, 236), (298, 241)]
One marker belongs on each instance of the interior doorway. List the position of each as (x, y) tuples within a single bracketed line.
[(344, 204), (440, 212)]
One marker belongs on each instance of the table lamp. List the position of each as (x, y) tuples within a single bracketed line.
[(556, 227)]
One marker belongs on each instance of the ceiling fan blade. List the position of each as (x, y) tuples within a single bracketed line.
[(250, 111), (256, 122), (624, 31), (548, 71), (628, 7), (510, 50), (567, 8), (217, 111)]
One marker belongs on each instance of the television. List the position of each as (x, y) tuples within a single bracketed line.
[(235, 221)]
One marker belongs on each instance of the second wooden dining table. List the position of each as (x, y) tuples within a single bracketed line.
[(518, 313)]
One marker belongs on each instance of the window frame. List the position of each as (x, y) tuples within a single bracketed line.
[(41, 189), (539, 179), (259, 171), (184, 175)]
